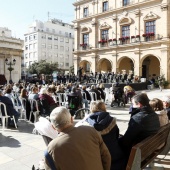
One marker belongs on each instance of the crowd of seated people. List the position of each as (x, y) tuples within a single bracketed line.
[(147, 116)]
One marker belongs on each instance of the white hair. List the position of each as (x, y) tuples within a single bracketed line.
[(43, 91), (60, 117)]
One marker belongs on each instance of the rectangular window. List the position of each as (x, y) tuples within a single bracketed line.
[(55, 46), (35, 45), (61, 48), (55, 38), (66, 34), (55, 55), (30, 37), (85, 38), (67, 40), (49, 37), (150, 27), (85, 12), (30, 55), (35, 54), (26, 39), (30, 46), (105, 6), (67, 56), (67, 64), (43, 36), (35, 36), (50, 46), (105, 35), (61, 39), (43, 54), (61, 55), (26, 56), (67, 48), (26, 47), (126, 2), (43, 46), (126, 31)]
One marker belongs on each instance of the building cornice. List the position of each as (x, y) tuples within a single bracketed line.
[(80, 2), (116, 10)]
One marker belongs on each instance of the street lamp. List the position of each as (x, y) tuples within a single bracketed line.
[(10, 68)]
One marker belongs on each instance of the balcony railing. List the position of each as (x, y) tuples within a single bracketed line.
[(84, 47), (132, 39)]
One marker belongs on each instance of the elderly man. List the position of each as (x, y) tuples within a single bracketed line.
[(75, 148), (10, 109)]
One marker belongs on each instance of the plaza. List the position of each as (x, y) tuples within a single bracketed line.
[(21, 149)]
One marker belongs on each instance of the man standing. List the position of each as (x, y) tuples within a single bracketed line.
[(76, 148)]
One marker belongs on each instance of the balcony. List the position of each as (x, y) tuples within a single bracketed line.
[(130, 40), (84, 47)]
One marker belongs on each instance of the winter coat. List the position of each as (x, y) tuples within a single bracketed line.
[(141, 125), (106, 125)]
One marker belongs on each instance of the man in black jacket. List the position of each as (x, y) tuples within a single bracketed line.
[(141, 125)]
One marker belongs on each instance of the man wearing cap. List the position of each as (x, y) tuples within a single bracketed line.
[(10, 108)]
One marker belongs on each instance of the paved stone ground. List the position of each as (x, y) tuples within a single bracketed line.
[(20, 149)]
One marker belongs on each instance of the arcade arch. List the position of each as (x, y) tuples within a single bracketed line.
[(104, 66), (125, 63), (86, 66), (150, 67)]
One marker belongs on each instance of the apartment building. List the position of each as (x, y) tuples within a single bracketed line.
[(123, 36), (10, 50), (52, 41)]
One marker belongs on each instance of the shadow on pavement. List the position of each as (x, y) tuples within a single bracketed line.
[(9, 141)]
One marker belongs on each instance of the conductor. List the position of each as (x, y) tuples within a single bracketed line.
[(79, 73)]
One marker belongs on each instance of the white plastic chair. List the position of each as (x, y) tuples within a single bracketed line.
[(16, 104), (84, 95), (34, 109), (93, 96), (23, 107), (3, 117), (62, 99)]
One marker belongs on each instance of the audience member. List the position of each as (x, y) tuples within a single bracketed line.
[(10, 109), (141, 125), (157, 106), (166, 105), (82, 148), (106, 125)]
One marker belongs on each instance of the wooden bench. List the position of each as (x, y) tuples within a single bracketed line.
[(146, 151)]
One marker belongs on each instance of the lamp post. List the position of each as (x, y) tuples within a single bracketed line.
[(10, 68)]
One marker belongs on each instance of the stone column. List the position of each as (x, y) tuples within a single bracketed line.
[(94, 63), (76, 61), (164, 63), (114, 63)]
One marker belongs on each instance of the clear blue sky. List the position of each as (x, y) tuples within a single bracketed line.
[(17, 15)]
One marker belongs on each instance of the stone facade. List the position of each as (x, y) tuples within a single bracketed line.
[(10, 48), (112, 36)]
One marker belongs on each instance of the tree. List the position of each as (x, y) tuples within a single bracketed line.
[(42, 67)]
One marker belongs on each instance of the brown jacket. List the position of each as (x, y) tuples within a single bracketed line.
[(79, 148)]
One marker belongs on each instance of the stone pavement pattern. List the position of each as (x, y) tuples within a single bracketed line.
[(20, 149)]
